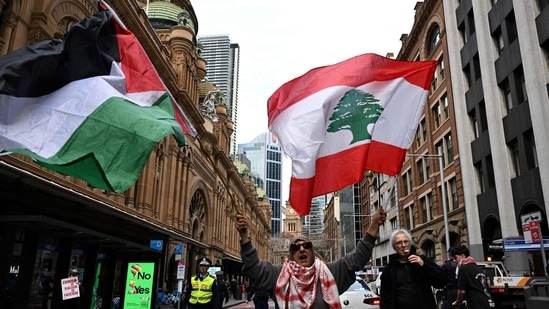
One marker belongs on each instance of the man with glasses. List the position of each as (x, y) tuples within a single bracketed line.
[(304, 280), (408, 278)]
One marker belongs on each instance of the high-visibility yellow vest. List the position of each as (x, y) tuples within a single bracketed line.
[(201, 290)]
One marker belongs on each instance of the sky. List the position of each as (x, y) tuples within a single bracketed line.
[(281, 40)]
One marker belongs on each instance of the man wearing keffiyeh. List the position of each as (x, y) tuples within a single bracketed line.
[(304, 281), (472, 283)]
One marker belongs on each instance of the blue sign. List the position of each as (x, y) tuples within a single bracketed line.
[(179, 249), (521, 245), (157, 244)]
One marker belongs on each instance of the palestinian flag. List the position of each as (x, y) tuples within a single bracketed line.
[(337, 121), (89, 105)]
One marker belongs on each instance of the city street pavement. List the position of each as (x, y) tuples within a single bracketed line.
[(237, 304)]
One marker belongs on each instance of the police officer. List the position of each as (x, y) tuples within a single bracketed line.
[(221, 291), (202, 291)]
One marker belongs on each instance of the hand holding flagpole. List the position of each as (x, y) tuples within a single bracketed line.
[(379, 219)]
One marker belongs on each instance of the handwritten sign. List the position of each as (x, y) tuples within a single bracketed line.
[(69, 288)]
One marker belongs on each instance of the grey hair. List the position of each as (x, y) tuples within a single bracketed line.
[(400, 231)]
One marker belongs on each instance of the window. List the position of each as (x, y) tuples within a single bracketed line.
[(467, 75), (394, 224), (427, 168), (522, 95), (508, 99), (471, 22), (474, 123), (429, 249), (410, 215), (511, 27), (407, 182), (421, 133), (449, 148), (424, 215), (420, 171), (498, 41), (439, 74), (444, 104), (490, 172), (436, 115), (429, 202), (482, 117), (441, 67), (423, 130), (514, 152), (480, 177), (452, 187), (434, 38), (530, 149)]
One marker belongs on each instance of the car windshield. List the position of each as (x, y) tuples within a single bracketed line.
[(359, 285)]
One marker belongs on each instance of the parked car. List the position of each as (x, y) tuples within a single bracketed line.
[(376, 284), (359, 295)]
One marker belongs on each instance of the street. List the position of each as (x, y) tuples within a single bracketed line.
[(251, 305)]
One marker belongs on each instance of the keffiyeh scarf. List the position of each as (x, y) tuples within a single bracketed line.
[(297, 285), (467, 260)]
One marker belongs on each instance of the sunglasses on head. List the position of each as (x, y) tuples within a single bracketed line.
[(305, 245)]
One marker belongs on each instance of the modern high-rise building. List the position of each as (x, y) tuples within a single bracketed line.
[(265, 155), (500, 78), (222, 67), (313, 223)]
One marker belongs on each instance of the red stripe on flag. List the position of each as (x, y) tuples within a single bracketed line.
[(140, 74), (344, 168), (353, 72)]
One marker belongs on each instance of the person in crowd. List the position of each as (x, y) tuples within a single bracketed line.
[(48, 293), (305, 281), (472, 283), (74, 303), (185, 295), (232, 288), (202, 294), (259, 297), (408, 278), (221, 291), (449, 293)]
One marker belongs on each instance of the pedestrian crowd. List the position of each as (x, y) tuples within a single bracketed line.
[(304, 280)]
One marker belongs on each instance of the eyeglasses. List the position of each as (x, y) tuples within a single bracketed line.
[(402, 243), (305, 245)]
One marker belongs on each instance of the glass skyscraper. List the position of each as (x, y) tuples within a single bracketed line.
[(265, 155), (222, 63)]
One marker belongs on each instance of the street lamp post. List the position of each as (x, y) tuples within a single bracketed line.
[(443, 189)]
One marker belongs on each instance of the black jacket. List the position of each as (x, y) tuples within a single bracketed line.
[(424, 278)]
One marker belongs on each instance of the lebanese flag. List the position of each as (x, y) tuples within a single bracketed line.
[(337, 121), (89, 105)]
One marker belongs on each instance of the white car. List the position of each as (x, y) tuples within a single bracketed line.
[(359, 295)]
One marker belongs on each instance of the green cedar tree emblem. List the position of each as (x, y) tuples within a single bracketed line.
[(355, 111)]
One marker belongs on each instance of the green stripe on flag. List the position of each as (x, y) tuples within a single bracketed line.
[(110, 149)]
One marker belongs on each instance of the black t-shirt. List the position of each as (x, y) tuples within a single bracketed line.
[(406, 296), (473, 281)]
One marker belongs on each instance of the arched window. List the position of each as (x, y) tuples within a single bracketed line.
[(434, 38), (429, 249)]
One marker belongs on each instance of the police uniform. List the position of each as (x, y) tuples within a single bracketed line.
[(202, 291)]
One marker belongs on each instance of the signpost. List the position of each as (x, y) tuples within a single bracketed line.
[(532, 233)]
